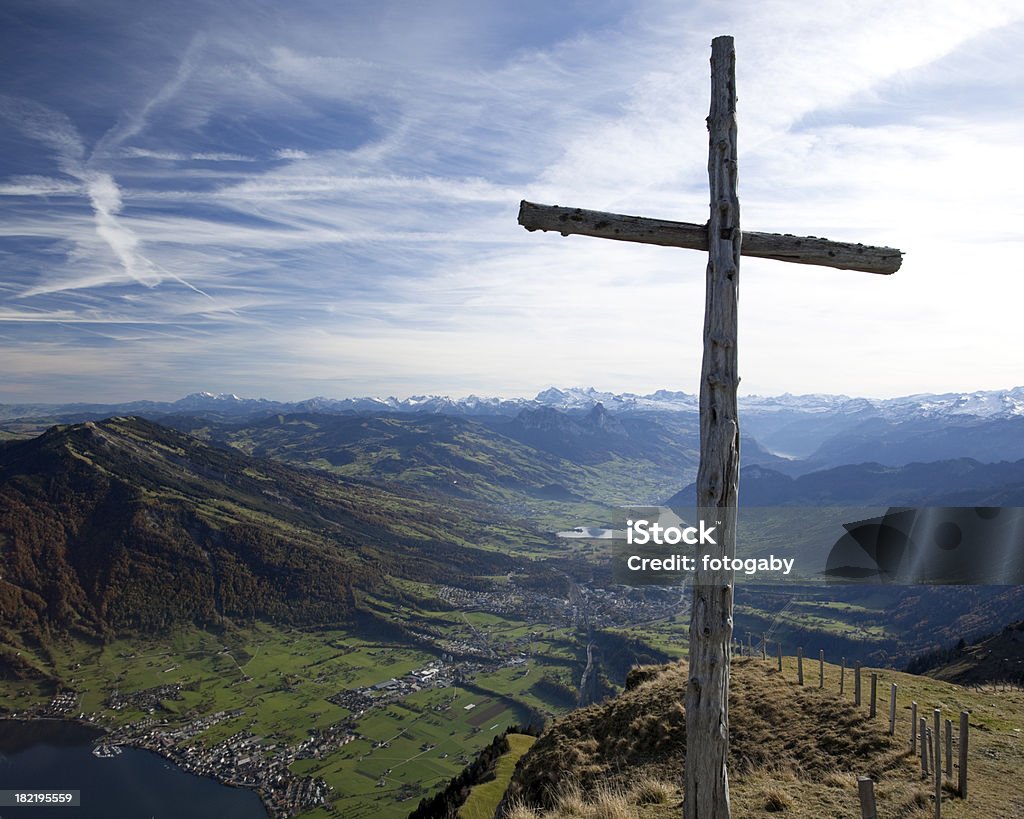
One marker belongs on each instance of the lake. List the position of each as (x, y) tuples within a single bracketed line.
[(55, 754)]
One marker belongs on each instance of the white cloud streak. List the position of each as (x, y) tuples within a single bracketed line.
[(396, 260)]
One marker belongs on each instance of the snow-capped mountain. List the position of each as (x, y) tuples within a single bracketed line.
[(990, 404), (801, 432)]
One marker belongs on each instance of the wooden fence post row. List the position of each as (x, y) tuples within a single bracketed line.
[(931, 738)]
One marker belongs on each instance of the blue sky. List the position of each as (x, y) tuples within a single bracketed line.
[(319, 198)]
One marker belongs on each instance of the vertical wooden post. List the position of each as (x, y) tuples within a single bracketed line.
[(842, 675), (949, 748), (800, 664), (962, 774), (937, 733), (913, 727), (892, 710), (780, 655), (874, 694), (923, 727), (707, 690), (856, 683), (821, 668), (866, 792), (764, 647)]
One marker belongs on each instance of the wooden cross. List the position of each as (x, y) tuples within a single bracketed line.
[(707, 692)]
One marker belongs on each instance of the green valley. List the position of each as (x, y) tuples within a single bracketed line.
[(344, 637)]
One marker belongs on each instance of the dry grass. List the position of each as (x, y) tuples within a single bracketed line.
[(648, 790), (649, 797), (518, 810), (795, 752), (777, 800)]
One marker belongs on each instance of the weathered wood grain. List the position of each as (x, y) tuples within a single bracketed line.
[(711, 622), (781, 246)]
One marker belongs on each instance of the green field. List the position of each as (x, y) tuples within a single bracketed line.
[(280, 679), (484, 798)]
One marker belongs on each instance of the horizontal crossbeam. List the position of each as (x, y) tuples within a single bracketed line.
[(784, 247)]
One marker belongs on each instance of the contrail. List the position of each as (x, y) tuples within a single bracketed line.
[(56, 131), (137, 122)]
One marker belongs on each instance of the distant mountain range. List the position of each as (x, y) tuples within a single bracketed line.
[(991, 404), (794, 434), (959, 482)]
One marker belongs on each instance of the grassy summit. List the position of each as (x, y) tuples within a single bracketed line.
[(795, 751)]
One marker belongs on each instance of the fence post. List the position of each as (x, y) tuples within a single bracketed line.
[(913, 727), (800, 664), (764, 647), (892, 710), (962, 779), (750, 645), (949, 748), (936, 731), (856, 683), (842, 675), (923, 727), (874, 694), (780, 655), (931, 748), (821, 668), (866, 792)]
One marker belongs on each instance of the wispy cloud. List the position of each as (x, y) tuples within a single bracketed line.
[(133, 123), (54, 130), (324, 202)]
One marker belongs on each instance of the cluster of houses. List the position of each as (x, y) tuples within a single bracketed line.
[(61, 705), (148, 699), (604, 606), (512, 601), (243, 760), (358, 701)]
